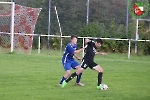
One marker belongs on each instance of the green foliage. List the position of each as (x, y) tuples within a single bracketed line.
[(90, 30), (35, 42), (107, 18), (147, 49), (55, 43), (116, 30), (144, 33), (131, 30), (96, 29), (114, 46), (99, 30)]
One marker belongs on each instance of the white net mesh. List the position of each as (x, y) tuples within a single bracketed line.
[(24, 23)]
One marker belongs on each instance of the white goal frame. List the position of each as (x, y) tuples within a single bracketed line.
[(136, 32), (12, 23)]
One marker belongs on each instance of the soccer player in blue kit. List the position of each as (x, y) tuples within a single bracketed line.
[(88, 61), (69, 62)]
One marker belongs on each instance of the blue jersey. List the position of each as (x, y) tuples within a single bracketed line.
[(69, 52)]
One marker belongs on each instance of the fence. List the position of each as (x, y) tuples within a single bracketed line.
[(108, 20), (83, 39)]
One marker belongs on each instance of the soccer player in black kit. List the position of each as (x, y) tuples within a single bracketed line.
[(88, 61)]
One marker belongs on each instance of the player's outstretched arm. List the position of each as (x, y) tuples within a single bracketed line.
[(77, 57), (102, 53), (78, 51)]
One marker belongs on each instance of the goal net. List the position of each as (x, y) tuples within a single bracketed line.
[(18, 31)]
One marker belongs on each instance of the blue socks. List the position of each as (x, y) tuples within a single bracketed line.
[(63, 78), (78, 78), (77, 81)]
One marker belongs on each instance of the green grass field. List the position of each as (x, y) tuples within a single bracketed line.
[(36, 77)]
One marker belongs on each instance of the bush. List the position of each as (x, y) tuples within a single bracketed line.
[(96, 29)]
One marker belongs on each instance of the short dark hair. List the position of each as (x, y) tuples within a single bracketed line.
[(73, 36), (99, 41)]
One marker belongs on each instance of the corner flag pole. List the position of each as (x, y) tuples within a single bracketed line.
[(59, 29)]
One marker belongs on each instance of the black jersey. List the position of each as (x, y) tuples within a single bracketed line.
[(90, 52)]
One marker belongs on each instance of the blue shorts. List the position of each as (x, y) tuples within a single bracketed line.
[(69, 64)]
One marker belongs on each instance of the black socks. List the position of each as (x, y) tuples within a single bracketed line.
[(71, 77), (99, 78)]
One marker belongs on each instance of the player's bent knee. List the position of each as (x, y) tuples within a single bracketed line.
[(68, 72), (80, 70), (77, 67), (99, 69)]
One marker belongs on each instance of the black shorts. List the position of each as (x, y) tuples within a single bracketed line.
[(89, 64)]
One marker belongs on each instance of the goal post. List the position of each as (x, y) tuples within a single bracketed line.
[(10, 7), (17, 25), (12, 26)]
